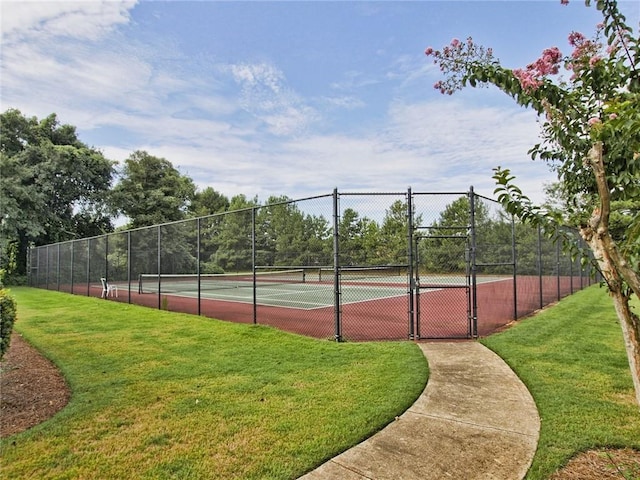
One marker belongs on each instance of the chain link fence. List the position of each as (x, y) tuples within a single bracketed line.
[(344, 266)]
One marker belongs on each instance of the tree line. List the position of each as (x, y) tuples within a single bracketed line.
[(56, 188)]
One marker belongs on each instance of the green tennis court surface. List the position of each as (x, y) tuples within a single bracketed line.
[(293, 290)]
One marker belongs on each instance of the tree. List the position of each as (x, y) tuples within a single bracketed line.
[(441, 254), (207, 202), (53, 187), (359, 239), (279, 232), (591, 133), (152, 191), (228, 240), (393, 233)]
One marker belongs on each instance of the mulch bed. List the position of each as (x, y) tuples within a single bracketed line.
[(606, 464), (32, 389)]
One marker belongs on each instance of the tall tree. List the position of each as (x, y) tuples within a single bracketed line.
[(207, 202), (441, 254), (393, 233), (359, 239), (152, 191), (229, 240), (591, 133), (53, 187)]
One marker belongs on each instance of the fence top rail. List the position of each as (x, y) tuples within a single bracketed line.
[(441, 193), (370, 194)]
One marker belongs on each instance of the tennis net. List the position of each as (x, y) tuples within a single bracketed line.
[(365, 273), (174, 283)]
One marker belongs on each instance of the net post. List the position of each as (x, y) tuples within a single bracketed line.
[(336, 268)]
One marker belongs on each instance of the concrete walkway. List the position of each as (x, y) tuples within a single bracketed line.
[(474, 420)]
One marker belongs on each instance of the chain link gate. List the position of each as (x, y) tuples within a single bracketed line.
[(442, 274), (443, 300)]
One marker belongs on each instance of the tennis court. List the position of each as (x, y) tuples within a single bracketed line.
[(304, 289), (375, 266)]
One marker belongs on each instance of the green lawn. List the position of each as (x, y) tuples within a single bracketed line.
[(572, 359), (164, 395)]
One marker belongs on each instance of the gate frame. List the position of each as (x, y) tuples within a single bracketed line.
[(469, 285)]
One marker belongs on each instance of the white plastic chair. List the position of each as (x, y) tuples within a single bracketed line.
[(107, 289)]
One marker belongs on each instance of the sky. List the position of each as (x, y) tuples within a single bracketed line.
[(287, 98)]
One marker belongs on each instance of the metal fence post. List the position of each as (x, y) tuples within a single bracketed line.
[(58, 268), (47, 269), (129, 266), (73, 249), (198, 271), (514, 256), (337, 303), (558, 266), (253, 265), (410, 260), (106, 257), (540, 266), (473, 247), (88, 267), (159, 269)]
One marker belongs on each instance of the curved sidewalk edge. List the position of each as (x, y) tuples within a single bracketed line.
[(474, 420)]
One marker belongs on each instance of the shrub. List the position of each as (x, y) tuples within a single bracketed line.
[(7, 319)]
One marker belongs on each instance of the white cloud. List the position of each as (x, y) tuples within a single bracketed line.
[(87, 20), (439, 146), (242, 128), (266, 95)]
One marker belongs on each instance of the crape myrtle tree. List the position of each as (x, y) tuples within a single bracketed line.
[(53, 187), (589, 104)]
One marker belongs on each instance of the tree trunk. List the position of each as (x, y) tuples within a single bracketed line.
[(622, 280)]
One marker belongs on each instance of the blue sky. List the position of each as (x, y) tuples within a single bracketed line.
[(287, 98)]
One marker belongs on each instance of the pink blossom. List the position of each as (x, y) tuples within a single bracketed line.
[(594, 60), (528, 80), (576, 38), (593, 121), (613, 116), (428, 51), (564, 2), (455, 43)]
